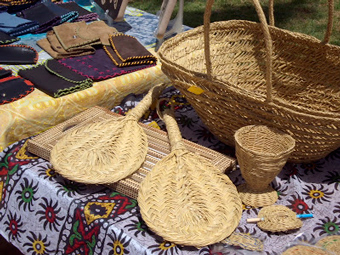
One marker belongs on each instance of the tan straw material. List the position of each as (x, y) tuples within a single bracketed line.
[(330, 243), (158, 142), (305, 250), (261, 153), (251, 73), (185, 199), (278, 218), (106, 151), (244, 241)]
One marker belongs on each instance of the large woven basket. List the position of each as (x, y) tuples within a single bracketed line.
[(254, 73)]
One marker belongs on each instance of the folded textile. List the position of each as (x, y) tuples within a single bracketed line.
[(53, 47), (83, 14), (13, 88), (99, 66), (65, 14), (18, 54), (126, 50), (15, 26), (41, 14), (17, 5), (55, 79), (77, 34), (7, 39)]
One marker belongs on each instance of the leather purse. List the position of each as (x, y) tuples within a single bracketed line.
[(18, 55), (5, 72), (55, 79), (99, 66), (7, 39), (126, 50), (13, 88)]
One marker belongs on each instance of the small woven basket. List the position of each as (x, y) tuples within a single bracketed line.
[(261, 153), (278, 218), (250, 73)]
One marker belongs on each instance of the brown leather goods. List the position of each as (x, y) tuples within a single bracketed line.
[(126, 50), (52, 46)]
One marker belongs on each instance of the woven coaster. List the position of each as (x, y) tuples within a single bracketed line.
[(330, 243), (305, 250)]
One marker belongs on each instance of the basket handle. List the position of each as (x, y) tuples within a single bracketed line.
[(329, 29), (267, 38)]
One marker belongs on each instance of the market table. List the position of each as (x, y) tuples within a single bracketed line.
[(38, 111), (43, 213)]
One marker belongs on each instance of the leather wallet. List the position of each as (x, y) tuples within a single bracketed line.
[(5, 73), (126, 50), (99, 66), (13, 88), (7, 39), (55, 79), (18, 54)]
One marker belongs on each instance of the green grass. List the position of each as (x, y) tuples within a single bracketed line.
[(304, 16)]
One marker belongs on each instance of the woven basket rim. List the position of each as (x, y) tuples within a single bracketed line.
[(222, 25), (287, 150)]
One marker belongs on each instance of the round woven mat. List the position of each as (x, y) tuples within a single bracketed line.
[(257, 198), (305, 250), (278, 218), (330, 243)]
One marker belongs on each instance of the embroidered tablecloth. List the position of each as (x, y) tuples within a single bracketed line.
[(43, 213)]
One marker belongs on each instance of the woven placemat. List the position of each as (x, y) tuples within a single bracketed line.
[(330, 243), (158, 147)]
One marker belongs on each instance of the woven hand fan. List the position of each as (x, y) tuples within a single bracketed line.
[(185, 199), (106, 151)]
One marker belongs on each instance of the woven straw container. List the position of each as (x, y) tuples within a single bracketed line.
[(261, 154), (253, 73)]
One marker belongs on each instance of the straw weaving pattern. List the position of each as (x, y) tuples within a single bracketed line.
[(102, 152), (185, 199), (261, 153), (254, 74), (330, 243), (107, 151), (305, 250), (277, 218)]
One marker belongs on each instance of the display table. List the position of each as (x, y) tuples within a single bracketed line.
[(38, 111), (43, 213)]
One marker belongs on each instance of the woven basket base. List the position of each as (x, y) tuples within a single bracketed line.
[(253, 198), (330, 243)]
